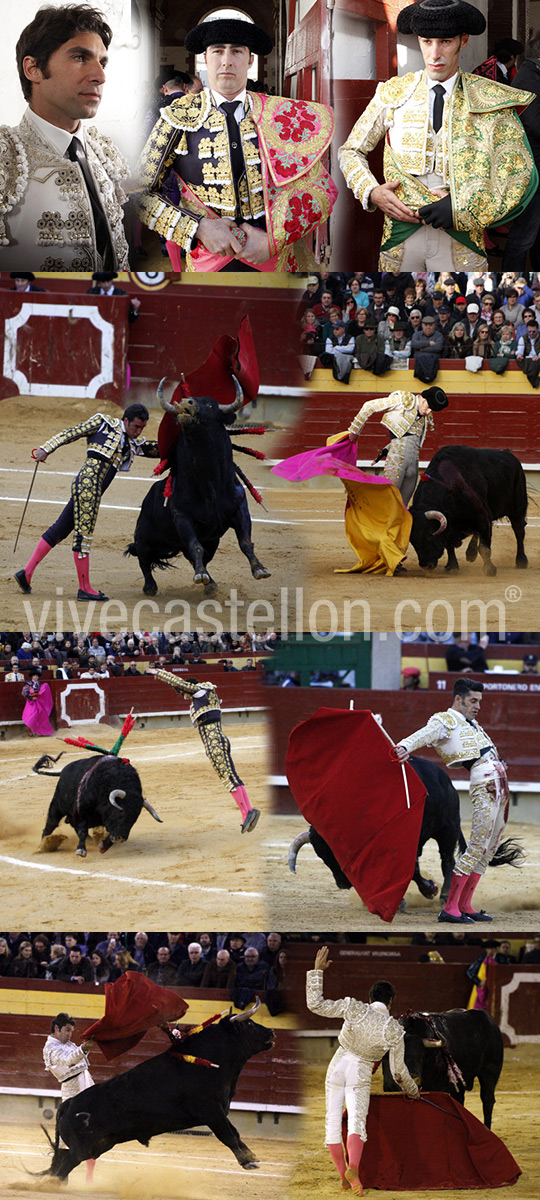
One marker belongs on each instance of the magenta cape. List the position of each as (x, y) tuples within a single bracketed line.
[(36, 712), (345, 783), (339, 459), (412, 1146)]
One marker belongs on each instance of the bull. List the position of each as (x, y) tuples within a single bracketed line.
[(101, 793), (207, 498), (461, 494), (164, 1094), (440, 821), (436, 1042)]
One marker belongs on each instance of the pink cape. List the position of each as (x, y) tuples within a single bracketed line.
[(37, 710), (339, 459)]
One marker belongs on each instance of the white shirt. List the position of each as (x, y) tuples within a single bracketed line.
[(59, 138), (242, 102)]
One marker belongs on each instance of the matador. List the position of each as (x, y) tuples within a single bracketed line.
[(461, 742), (112, 444), (407, 417), (205, 713)]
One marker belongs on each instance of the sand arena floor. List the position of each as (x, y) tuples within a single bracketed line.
[(173, 1166), (24, 422), (310, 900), (196, 863), (515, 1120)]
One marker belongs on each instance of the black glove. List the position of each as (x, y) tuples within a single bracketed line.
[(438, 214)]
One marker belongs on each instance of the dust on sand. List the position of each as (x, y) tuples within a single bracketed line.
[(515, 1120), (197, 861), (173, 1166), (24, 423), (311, 900)]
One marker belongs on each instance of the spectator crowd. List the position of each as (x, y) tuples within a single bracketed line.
[(379, 321)]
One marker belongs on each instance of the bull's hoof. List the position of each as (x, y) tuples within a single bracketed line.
[(471, 555), (250, 1166), (260, 572), (80, 850), (202, 577), (428, 888), (490, 569), (522, 562), (451, 567), (402, 906), (150, 589), (105, 844)]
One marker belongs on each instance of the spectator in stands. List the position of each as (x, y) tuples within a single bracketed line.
[(482, 344), (512, 309), (110, 945), (132, 669), (41, 951), (472, 319), (124, 962), (525, 293), (142, 951), (102, 970), (271, 949), (67, 669), (251, 977), (506, 345), (427, 345), (58, 953), (338, 352), (378, 306), (411, 679), (386, 327), (220, 972), (464, 656), (5, 957), (531, 953), (75, 968), (361, 298), (249, 665), (234, 943), (175, 943), (24, 965), (409, 302), (415, 321), (322, 309), (369, 349), (15, 675), (206, 943), (163, 971), (530, 665), (191, 971), (528, 353), (276, 1001), (504, 954)]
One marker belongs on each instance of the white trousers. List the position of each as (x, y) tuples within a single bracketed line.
[(489, 794), (348, 1085)]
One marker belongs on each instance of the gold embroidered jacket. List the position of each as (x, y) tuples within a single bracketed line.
[(455, 739), (401, 414), (204, 698), (44, 194), (482, 155), (284, 182), (107, 438)]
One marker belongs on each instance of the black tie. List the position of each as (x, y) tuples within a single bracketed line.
[(438, 106), (75, 152), (237, 157)]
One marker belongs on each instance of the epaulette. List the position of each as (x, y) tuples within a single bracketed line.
[(487, 95), (448, 719)]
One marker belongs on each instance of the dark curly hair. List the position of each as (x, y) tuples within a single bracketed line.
[(50, 29)]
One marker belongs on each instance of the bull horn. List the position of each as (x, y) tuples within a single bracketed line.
[(436, 1043), (237, 402), (301, 839), (152, 811), (433, 515), (248, 1013), (114, 794), (166, 406)]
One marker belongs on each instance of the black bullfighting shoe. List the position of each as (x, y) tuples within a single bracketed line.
[(478, 916), (22, 581), (251, 820), (91, 595), (462, 920)]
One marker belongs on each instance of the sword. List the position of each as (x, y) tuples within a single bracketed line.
[(27, 501), (443, 1110)]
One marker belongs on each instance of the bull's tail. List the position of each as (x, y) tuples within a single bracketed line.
[(131, 549), (161, 563), (509, 854), (47, 760), (54, 1147)]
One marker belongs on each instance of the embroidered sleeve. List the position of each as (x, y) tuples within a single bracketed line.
[(179, 685), (148, 449), (74, 433), (438, 728), (172, 222), (364, 136), (398, 1068), (316, 1002), (13, 174), (381, 404)]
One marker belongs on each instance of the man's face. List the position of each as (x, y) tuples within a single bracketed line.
[(227, 68), (140, 940), (194, 954), (21, 284), (75, 957), (71, 87), (441, 55), (504, 947), (378, 298), (222, 958), (163, 955), (251, 956), (469, 704), (428, 327), (64, 1034), (135, 427), (273, 941)]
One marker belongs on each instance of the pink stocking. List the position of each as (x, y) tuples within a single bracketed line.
[(173, 250), (456, 888), (82, 565), (335, 1151), (471, 882), (90, 1164), (41, 550), (242, 799), (355, 1147)]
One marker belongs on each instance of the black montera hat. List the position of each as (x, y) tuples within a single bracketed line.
[(29, 275), (104, 276), (229, 32), (440, 18), (436, 398)]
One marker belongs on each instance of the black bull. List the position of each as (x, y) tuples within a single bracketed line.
[(440, 821), (473, 1040), (163, 1095), (207, 498), (462, 492), (91, 793)]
